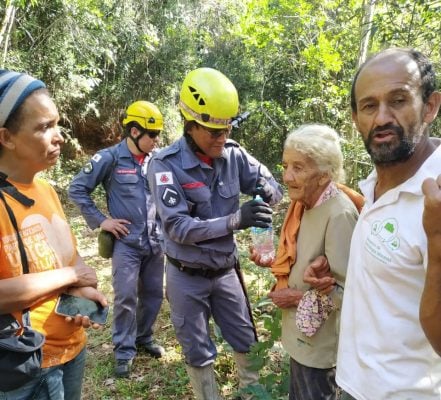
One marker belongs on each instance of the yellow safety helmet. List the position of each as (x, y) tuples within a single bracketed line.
[(209, 98), (145, 114)]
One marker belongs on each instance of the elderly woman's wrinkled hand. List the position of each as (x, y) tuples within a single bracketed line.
[(318, 274), (257, 259), (286, 298)]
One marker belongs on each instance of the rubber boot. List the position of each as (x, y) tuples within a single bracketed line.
[(203, 381), (247, 377)]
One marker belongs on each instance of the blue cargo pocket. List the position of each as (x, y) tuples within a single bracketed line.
[(128, 183), (183, 337), (178, 321), (229, 192)]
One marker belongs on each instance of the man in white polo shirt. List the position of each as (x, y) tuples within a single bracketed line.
[(383, 351)]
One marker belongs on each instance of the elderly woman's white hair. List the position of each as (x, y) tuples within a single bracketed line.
[(321, 144)]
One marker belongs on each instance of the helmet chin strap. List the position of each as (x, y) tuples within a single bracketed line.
[(192, 144), (136, 141)]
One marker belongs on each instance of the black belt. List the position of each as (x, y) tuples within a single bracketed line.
[(204, 272)]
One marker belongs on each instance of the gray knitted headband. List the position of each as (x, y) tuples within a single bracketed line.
[(15, 87)]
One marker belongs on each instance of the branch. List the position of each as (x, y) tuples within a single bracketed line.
[(368, 16), (10, 10), (5, 33)]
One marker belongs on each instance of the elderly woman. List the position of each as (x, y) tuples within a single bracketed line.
[(319, 222)]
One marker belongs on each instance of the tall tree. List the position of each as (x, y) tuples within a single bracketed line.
[(367, 19), (5, 30)]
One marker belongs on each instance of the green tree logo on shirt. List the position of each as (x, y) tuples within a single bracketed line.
[(386, 231)]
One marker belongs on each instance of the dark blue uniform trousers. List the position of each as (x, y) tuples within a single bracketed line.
[(137, 279), (193, 299)]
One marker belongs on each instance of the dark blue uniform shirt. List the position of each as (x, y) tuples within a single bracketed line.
[(194, 201), (126, 187)]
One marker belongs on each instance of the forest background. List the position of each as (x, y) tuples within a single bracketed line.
[(292, 62)]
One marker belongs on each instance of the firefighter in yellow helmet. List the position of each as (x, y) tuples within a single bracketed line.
[(196, 183), (146, 119), (130, 218)]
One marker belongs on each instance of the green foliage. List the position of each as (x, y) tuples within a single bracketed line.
[(267, 355), (292, 62), (357, 163), (60, 177), (409, 24)]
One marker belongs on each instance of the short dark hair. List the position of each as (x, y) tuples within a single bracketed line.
[(132, 124), (427, 73), (189, 124)]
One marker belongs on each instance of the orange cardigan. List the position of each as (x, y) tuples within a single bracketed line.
[(287, 249)]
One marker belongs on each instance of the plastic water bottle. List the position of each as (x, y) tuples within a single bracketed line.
[(263, 240)]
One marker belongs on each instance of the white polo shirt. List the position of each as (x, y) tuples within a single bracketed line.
[(383, 352)]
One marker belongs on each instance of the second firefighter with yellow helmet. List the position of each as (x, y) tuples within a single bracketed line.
[(137, 260), (196, 183)]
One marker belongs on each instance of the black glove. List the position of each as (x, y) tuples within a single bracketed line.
[(251, 213), (264, 190)]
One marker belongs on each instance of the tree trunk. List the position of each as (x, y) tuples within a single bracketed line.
[(5, 31), (366, 29)]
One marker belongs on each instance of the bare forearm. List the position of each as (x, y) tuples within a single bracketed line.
[(286, 298), (430, 306), (26, 290)]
